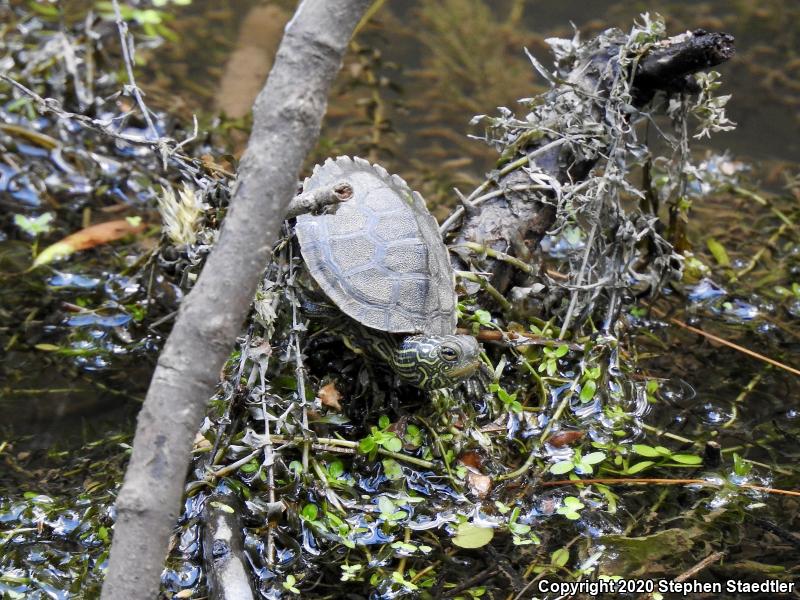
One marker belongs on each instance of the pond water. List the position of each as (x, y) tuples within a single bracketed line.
[(436, 66), (449, 60), (415, 77)]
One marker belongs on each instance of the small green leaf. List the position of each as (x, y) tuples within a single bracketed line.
[(393, 444), (392, 469), (719, 252), (564, 466), (552, 367), (310, 512), (223, 507), (484, 317), (588, 390), (335, 469), (36, 225), (386, 506), (594, 457), (560, 557), (47, 347), (519, 528), (472, 536), (648, 451), (687, 459), (640, 466), (741, 467), (52, 253), (250, 467)]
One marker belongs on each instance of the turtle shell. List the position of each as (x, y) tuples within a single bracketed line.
[(379, 256)]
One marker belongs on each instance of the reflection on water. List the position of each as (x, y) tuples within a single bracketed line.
[(453, 59)]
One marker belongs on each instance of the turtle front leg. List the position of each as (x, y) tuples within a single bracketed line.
[(315, 200)]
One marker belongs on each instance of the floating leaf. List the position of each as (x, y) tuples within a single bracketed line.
[(250, 467), (565, 466), (36, 225), (640, 466), (309, 512), (392, 469), (47, 347), (102, 233), (472, 536), (222, 507), (336, 469), (588, 390), (385, 505), (393, 444), (571, 508), (687, 459), (560, 557), (594, 457), (719, 252), (564, 438), (648, 451), (562, 351)]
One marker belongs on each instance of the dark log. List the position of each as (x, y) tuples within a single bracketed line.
[(669, 67), (516, 222)]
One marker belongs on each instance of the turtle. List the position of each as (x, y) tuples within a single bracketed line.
[(375, 252)]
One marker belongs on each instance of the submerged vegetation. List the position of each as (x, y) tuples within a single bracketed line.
[(612, 440)]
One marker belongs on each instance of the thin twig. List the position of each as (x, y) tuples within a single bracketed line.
[(520, 338), (708, 560), (486, 286), (573, 301), (321, 443), (512, 260), (660, 481), (165, 146), (298, 357), (127, 55), (473, 199), (736, 347)]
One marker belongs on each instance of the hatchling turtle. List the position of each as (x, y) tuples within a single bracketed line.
[(376, 253)]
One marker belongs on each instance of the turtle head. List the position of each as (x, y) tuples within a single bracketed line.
[(432, 362)]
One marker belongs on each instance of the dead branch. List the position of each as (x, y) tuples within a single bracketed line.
[(287, 117), (514, 221), (223, 549)]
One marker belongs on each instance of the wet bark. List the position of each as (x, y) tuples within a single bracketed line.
[(287, 117), (516, 222), (227, 569)]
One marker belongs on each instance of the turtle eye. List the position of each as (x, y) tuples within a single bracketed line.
[(449, 353)]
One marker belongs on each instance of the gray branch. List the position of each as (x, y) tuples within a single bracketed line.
[(227, 569), (515, 220), (287, 117)]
